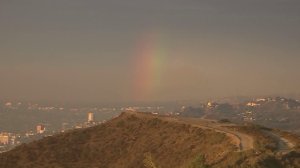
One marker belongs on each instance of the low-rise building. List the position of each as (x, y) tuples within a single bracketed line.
[(4, 138), (40, 129)]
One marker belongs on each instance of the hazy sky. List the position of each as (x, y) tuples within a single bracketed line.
[(130, 50)]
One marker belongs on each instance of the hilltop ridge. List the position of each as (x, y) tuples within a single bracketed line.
[(137, 139)]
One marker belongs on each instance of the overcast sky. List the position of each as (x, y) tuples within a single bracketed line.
[(87, 50)]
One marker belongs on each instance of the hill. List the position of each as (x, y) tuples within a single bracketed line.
[(143, 140), (274, 112)]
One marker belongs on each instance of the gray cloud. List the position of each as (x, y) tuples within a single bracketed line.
[(74, 50)]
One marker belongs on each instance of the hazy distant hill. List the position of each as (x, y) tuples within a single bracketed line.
[(140, 140), (274, 112)]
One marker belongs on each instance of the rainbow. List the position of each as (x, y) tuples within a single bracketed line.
[(150, 58)]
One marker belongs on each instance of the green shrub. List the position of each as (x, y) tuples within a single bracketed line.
[(120, 123), (154, 122), (199, 162)]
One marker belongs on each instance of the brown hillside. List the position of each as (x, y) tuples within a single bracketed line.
[(137, 140), (125, 141)]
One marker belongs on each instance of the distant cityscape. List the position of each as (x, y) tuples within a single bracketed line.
[(10, 139), (26, 122)]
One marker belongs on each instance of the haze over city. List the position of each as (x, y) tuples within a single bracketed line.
[(138, 50)]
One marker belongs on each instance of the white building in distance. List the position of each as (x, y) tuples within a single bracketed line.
[(90, 117)]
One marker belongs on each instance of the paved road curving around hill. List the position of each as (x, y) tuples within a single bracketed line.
[(241, 140), (246, 141), (284, 145)]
